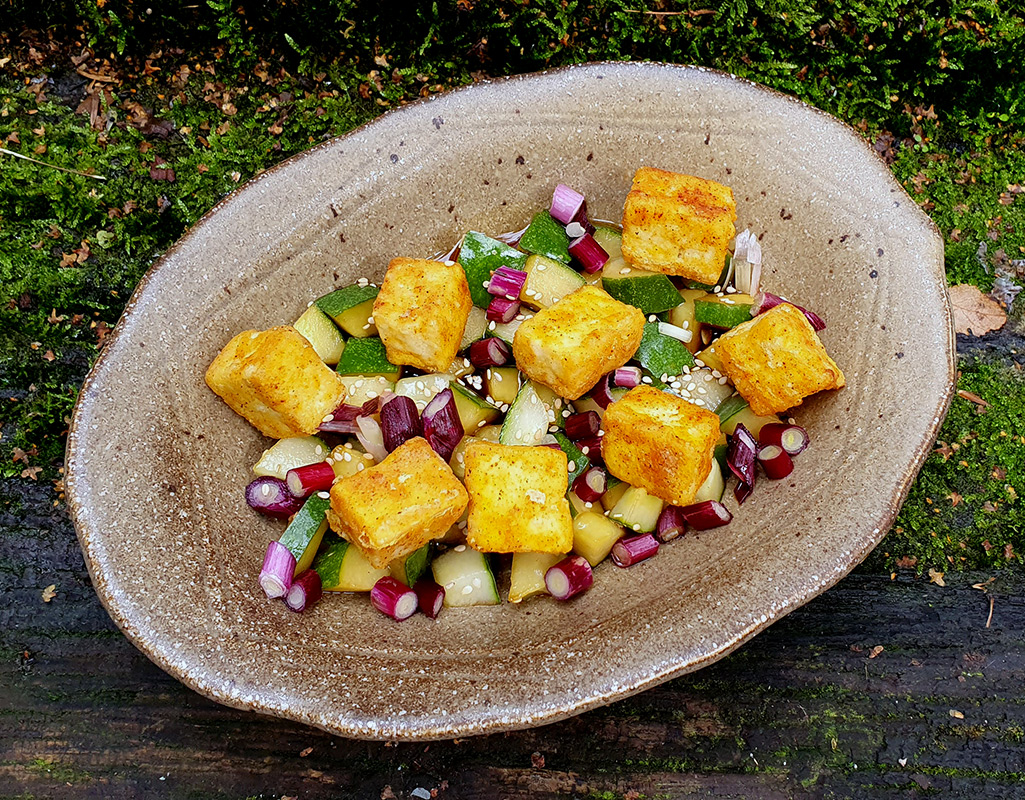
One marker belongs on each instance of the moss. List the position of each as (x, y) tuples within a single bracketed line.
[(57, 771)]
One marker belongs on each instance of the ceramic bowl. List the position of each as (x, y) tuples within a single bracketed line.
[(157, 464)]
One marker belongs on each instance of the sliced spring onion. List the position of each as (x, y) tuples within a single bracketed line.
[(442, 428), (591, 447), (584, 425), (671, 524), (393, 598), (304, 481), (305, 591), (567, 203), (682, 334), (775, 461), (278, 569), (502, 310), (343, 418), (490, 352), (590, 485), (706, 515), (400, 421), (569, 577), (747, 263), (631, 549), (763, 301), (507, 282), (792, 438), (742, 491), (591, 255), (740, 455), (270, 496), (371, 437), (430, 597), (627, 377)]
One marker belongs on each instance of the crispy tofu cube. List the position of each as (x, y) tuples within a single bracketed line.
[(421, 311), (276, 380), (395, 507), (659, 442), (776, 360), (570, 345), (678, 224), (517, 499)]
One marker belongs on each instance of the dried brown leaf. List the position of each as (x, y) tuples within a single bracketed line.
[(31, 472), (49, 592), (935, 576), (974, 313)]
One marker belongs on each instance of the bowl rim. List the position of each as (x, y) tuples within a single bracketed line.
[(213, 687)]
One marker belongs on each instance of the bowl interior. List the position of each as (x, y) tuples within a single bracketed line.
[(157, 463)]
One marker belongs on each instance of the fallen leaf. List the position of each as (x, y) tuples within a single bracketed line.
[(955, 498), (387, 793), (31, 472), (1008, 551), (49, 592), (54, 317), (49, 356), (907, 562), (971, 397), (875, 651), (989, 508), (935, 576), (20, 455), (305, 752), (974, 313), (537, 761), (956, 714)]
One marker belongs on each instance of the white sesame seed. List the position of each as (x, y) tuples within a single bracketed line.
[(459, 548), (636, 526), (467, 590), (328, 418), (265, 489)]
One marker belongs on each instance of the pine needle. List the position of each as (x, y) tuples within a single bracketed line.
[(51, 166)]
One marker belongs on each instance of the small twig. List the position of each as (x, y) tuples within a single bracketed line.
[(989, 619), (95, 76), (51, 166), (690, 13)]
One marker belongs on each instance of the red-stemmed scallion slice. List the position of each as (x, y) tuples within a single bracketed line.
[(503, 310), (792, 438), (371, 437), (586, 250), (591, 448), (489, 352), (601, 393), (393, 598), (278, 570), (343, 418), (584, 425), (270, 496), (632, 549), (430, 597), (400, 421), (706, 515), (627, 377), (569, 577), (775, 461), (567, 203), (304, 481), (671, 524), (590, 484), (442, 428), (763, 301), (740, 454), (305, 591), (507, 282), (742, 491)]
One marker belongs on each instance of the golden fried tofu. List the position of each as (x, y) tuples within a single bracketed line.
[(571, 344), (276, 380), (421, 311), (678, 224), (776, 360), (659, 442), (517, 499), (395, 507)]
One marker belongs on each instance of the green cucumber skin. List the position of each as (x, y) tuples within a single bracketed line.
[(416, 563), (546, 237), (661, 354), (305, 524), (573, 456), (719, 454), (722, 316), (345, 298), (479, 256), (652, 294), (328, 561), (519, 414), (610, 240), (730, 406), (365, 357)]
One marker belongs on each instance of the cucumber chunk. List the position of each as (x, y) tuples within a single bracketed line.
[(610, 239), (321, 332), (476, 327), (346, 461), (723, 311), (527, 421), (422, 388), (342, 567), (576, 462), (359, 389), (409, 569), (474, 411), (637, 510), (651, 292), (546, 237), (369, 358), (351, 308), (661, 354), (709, 358), (744, 415), (506, 331), (503, 383), (613, 493), (466, 577), (683, 316), (548, 282), (527, 575), (286, 454), (713, 487), (305, 532), (593, 536), (707, 391), (479, 256)]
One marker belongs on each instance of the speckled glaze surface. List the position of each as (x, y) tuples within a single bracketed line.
[(157, 464)]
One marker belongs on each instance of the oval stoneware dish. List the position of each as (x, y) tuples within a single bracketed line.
[(157, 464)]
